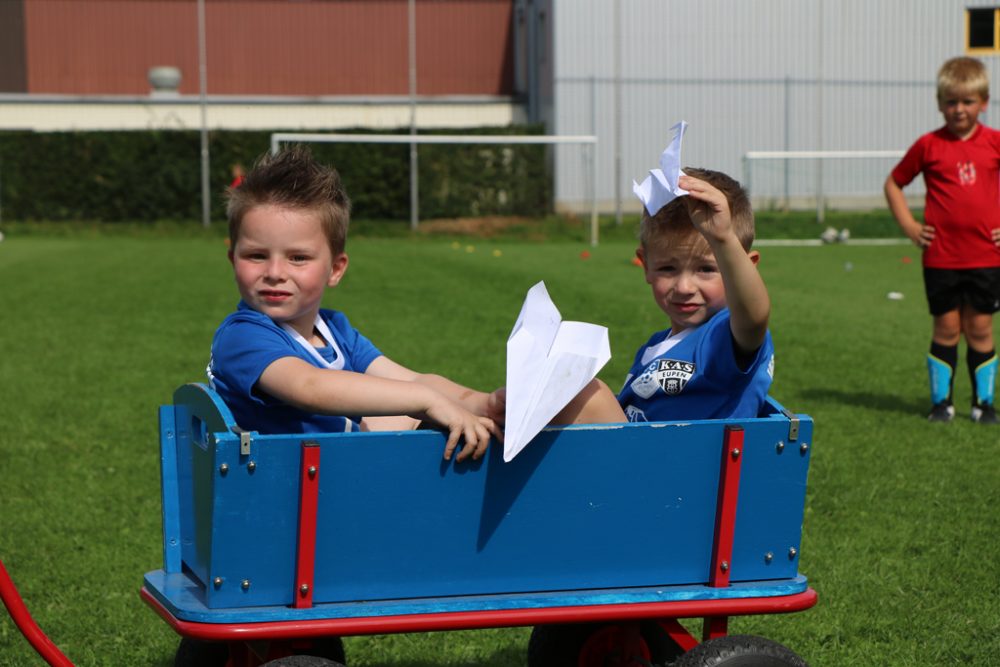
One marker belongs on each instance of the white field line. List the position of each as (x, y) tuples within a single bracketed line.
[(802, 243)]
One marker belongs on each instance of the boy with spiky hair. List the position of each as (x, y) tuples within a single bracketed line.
[(281, 363), (960, 235)]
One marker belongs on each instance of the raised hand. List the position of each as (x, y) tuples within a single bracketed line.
[(708, 208)]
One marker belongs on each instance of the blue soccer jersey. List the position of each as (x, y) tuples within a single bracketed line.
[(695, 375), (247, 342)]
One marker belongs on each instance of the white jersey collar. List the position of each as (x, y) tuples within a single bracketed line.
[(324, 331), (664, 345)]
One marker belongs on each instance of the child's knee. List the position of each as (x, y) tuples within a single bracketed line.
[(947, 328), (594, 404)]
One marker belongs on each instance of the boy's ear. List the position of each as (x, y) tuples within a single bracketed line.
[(754, 256), (338, 269), (640, 254)]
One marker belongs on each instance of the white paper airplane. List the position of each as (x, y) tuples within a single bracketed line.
[(660, 187), (548, 362)]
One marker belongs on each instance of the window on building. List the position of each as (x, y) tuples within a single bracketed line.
[(981, 30)]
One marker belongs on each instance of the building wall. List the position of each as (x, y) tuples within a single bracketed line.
[(753, 75), (260, 47), (12, 65), (59, 113)]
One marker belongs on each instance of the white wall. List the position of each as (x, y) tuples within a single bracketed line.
[(62, 113), (751, 75)]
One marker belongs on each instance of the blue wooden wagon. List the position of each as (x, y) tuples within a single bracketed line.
[(601, 537)]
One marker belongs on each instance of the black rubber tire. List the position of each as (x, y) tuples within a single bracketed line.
[(200, 653), (302, 661), (740, 651), (560, 645), (331, 648)]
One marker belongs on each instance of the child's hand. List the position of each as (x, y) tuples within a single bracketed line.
[(996, 236), (708, 208), (460, 424), (923, 235), (496, 404)]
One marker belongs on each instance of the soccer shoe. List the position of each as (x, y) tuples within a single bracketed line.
[(984, 413), (942, 412)]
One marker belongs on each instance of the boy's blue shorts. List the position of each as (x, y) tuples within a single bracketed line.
[(949, 289)]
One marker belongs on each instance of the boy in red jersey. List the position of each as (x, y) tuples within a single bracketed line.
[(960, 236)]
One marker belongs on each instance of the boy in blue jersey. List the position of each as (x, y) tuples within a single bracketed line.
[(716, 360), (281, 363)]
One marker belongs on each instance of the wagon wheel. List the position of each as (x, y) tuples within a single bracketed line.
[(330, 648), (740, 651), (302, 661), (200, 653), (598, 645)]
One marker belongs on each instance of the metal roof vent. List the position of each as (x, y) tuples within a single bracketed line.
[(165, 80)]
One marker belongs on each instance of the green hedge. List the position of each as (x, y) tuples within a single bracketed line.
[(156, 175)]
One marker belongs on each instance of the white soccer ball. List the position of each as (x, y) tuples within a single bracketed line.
[(829, 235)]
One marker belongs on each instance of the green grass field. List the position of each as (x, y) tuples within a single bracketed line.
[(901, 527)]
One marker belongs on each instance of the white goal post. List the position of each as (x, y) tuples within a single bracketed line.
[(278, 138)]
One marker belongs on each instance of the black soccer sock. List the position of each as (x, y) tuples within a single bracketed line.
[(982, 374), (941, 363)]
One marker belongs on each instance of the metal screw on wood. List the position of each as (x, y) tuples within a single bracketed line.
[(724, 566), (245, 584), (224, 468), (780, 446), (736, 452), (303, 589), (312, 471), (768, 557), (792, 552), (804, 447), (251, 466), (217, 581)]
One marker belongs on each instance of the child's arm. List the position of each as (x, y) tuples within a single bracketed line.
[(921, 235), (477, 402), (746, 295), (325, 391)]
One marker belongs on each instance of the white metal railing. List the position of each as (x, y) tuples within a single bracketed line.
[(750, 157)]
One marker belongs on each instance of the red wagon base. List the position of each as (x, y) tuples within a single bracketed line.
[(608, 628)]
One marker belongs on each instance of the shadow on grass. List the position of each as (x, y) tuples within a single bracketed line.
[(505, 657), (868, 400)]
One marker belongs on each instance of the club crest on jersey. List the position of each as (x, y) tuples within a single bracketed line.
[(967, 173), (670, 375)]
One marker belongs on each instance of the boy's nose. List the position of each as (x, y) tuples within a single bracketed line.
[(684, 283), (275, 269)]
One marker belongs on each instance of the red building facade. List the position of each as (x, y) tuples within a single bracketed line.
[(257, 47)]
